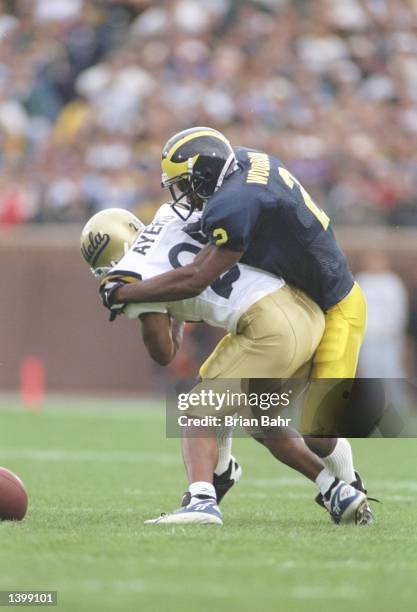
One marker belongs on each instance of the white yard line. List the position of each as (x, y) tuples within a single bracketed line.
[(117, 586), (97, 585), (104, 408), (81, 455), (321, 591), (105, 456), (392, 485)]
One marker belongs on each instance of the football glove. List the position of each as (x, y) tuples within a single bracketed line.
[(107, 290)]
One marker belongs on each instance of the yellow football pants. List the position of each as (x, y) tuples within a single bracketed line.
[(336, 358), (274, 338)]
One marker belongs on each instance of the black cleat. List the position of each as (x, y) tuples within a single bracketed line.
[(222, 483)]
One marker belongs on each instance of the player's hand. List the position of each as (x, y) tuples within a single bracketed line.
[(107, 291)]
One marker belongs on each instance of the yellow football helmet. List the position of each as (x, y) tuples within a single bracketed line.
[(194, 165), (107, 237)]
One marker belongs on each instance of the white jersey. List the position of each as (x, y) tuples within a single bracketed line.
[(164, 245)]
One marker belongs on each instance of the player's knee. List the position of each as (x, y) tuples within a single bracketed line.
[(322, 447)]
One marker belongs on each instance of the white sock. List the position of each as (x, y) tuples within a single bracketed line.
[(340, 461), (324, 481), (224, 441), (201, 488)]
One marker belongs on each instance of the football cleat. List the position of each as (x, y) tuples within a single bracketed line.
[(222, 482), (368, 517), (345, 504), (205, 512)]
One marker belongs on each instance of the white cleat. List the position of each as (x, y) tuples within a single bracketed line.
[(346, 504), (206, 512), (367, 516)]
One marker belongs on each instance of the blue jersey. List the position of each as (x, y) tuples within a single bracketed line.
[(263, 210)]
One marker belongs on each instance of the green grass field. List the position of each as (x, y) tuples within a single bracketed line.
[(95, 470)]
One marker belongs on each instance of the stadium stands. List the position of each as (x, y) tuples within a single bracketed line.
[(89, 91)]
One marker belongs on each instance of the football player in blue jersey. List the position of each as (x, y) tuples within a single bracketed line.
[(255, 211)]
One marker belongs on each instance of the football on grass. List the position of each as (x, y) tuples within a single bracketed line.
[(13, 497)]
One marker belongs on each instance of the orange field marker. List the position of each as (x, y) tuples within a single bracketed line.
[(32, 383)]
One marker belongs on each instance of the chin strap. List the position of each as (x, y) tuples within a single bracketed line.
[(230, 164)]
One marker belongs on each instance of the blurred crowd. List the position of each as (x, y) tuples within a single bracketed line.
[(91, 89)]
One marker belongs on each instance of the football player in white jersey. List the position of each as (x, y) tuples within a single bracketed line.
[(273, 332)]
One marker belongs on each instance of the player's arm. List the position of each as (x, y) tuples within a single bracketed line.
[(162, 336), (181, 283)]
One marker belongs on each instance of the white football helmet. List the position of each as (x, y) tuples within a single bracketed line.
[(107, 237)]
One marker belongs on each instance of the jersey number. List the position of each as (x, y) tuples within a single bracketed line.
[(223, 286), (290, 180)]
